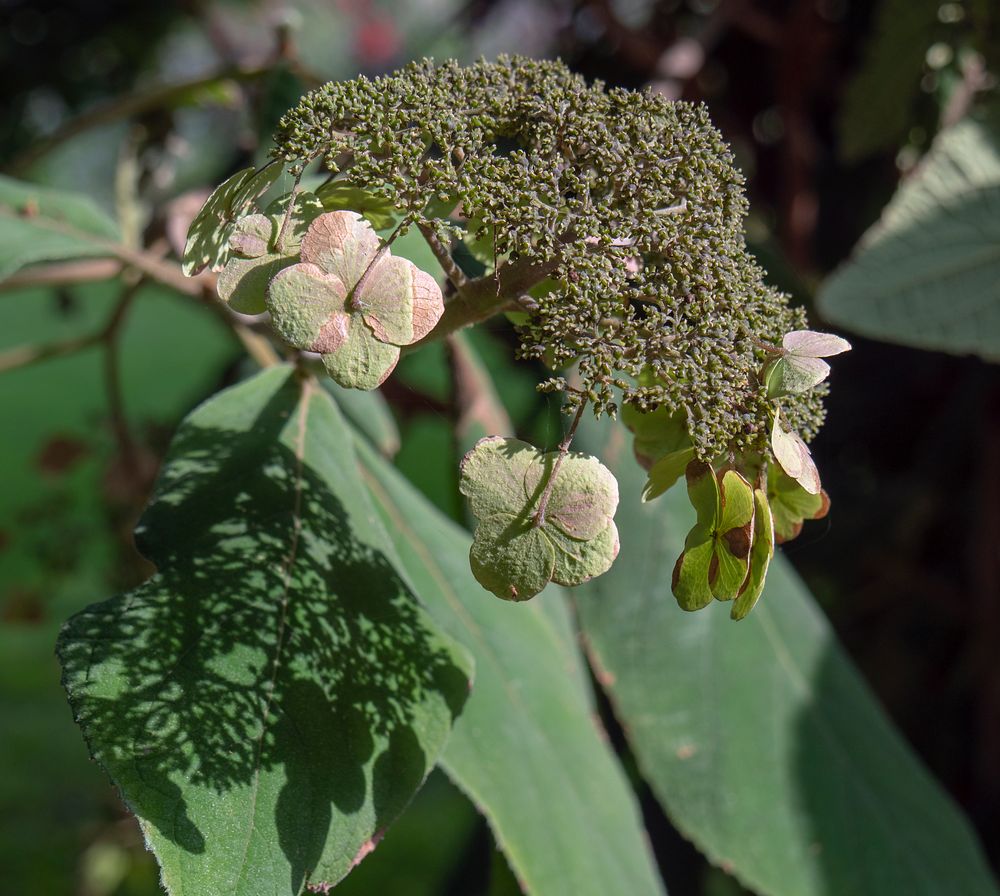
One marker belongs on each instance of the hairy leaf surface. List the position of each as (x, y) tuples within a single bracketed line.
[(270, 700), (760, 739), (928, 273)]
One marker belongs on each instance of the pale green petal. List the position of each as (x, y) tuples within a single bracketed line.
[(307, 307), (386, 299), (792, 374), (252, 236), (511, 558), (791, 504), (584, 496), (579, 561), (689, 582), (243, 282), (492, 475), (362, 361)]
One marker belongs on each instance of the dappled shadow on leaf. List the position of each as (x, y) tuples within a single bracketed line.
[(271, 639)]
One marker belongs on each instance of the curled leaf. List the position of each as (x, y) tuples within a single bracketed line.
[(352, 301), (657, 433), (792, 455), (520, 545)]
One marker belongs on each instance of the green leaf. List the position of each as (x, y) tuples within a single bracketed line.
[(760, 740), (40, 224), (928, 273), (525, 749), (271, 699), (665, 472)]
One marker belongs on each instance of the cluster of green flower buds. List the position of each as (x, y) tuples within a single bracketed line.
[(608, 224)]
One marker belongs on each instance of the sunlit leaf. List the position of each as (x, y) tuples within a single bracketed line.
[(270, 700), (928, 273)]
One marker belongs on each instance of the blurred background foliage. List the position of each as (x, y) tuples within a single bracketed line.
[(828, 104)]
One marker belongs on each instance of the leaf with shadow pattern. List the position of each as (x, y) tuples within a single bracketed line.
[(271, 699)]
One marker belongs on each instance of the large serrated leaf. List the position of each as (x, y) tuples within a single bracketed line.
[(270, 700), (760, 739), (41, 224), (928, 273), (526, 749)]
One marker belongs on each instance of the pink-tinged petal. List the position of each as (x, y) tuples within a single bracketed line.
[(386, 300), (810, 344), (301, 299), (341, 243), (792, 455), (333, 333), (362, 361), (428, 303)]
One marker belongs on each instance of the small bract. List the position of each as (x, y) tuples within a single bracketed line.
[(524, 540), (800, 367), (715, 561), (209, 234), (255, 256), (352, 301)]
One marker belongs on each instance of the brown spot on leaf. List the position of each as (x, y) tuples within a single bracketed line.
[(686, 751), (60, 454), (367, 848), (738, 540)]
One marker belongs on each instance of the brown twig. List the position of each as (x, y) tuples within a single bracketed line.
[(452, 271)]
